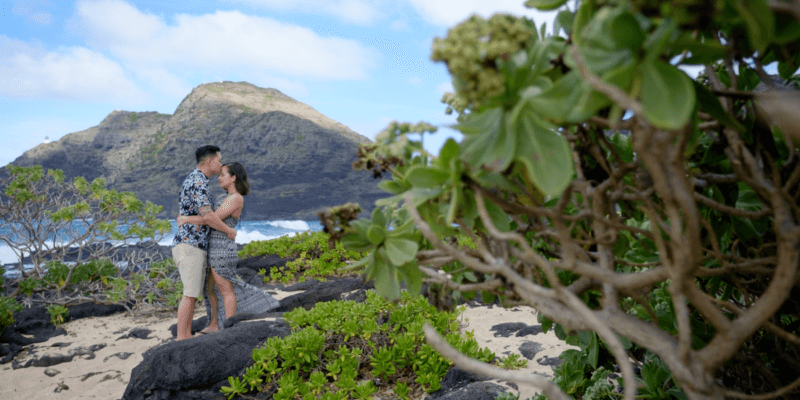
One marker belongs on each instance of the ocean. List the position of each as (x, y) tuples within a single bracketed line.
[(247, 231)]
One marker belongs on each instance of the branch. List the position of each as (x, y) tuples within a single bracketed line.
[(736, 212), (792, 8), (780, 392)]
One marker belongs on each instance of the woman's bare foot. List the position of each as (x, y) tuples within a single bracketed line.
[(209, 329)]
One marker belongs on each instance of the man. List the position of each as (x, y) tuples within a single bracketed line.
[(190, 246)]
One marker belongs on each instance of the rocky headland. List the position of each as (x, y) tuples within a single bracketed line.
[(298, 160)]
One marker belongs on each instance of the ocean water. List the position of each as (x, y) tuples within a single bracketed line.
[(247, 231)]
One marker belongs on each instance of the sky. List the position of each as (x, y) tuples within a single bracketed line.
[(65, 65)]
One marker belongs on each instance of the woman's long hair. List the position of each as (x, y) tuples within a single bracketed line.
[(237, 169)]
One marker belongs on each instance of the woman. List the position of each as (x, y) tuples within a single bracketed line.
[(221, 275)]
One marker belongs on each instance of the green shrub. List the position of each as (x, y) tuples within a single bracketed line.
[(58, 314), (313, 258), (8, 307), (337, 344)]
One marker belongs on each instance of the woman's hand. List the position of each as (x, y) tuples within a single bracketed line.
[(181, 219)]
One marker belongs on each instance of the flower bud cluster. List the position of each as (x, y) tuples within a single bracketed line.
[(471, 51)]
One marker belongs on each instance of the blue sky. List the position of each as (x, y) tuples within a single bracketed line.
[(65, 65)]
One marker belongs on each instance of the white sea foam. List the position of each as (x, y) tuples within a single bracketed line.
[(244, 237), (293, 225)]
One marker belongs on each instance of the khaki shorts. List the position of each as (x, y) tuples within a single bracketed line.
[(191, 262)]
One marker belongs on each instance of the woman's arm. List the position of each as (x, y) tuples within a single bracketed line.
[(194, 219), (208, 217), (229, 206)]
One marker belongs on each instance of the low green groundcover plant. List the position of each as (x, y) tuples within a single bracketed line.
[(313, 258), (344, 350)]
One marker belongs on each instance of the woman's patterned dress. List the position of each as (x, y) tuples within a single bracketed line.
[(222, 256)]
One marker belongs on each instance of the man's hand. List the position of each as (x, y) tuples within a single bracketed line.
[(181, 220), (232, 234)]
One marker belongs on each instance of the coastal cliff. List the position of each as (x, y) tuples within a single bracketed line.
[(298, 160)]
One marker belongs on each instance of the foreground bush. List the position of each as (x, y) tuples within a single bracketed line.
[(338, 349), (610, 191)]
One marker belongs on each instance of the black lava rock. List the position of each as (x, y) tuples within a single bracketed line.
[(197, 368), (529, 349)]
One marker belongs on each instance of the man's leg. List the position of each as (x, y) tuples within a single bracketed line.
[(185, 314), (191, 265)]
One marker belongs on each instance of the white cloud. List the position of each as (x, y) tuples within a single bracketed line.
[(415, 80), (446, 13), (73, 73), (360, 12), (399, 25), (221, 42)]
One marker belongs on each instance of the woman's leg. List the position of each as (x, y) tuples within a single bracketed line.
[(228, 297), (213, 323)]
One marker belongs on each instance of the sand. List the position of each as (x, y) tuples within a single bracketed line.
[(106, 375)]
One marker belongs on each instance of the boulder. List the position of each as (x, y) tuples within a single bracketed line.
[(315, 292), (199, 367), (472, 391)]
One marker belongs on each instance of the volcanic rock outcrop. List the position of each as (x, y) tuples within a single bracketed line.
[(298, 160)]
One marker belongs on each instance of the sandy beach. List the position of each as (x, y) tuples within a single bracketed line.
[(103, 360)]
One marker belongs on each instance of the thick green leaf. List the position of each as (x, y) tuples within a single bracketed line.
[(400, 251), (426, 177), (701, 52), (557, 101), (498, 216), (564, 19), (378, 217), (545, 5), (411, 274), (787, 29), (356, 242), (786, 70), (668, 95), (657, 41), (759, 20), (582, 17), (376, 234), (545, 153), (448, 152), (712, 106), (393, 187), (386, 283), (627, 32), (486, 142)]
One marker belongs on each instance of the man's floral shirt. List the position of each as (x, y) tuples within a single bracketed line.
[(194, 194)]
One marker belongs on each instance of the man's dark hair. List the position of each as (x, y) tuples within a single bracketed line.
[(207, 151), (242, 185)]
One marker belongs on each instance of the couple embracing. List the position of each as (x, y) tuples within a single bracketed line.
[(204, 248)]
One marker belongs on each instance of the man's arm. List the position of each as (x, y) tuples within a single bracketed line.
[(211, 219)]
